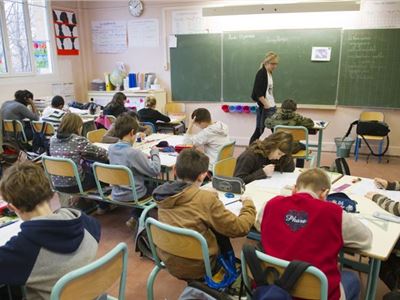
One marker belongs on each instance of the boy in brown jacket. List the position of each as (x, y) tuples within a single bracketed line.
[(184, 204)]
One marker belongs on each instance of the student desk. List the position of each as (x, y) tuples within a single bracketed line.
[(176, 124), (168, 160), (384, 234), (319, 127)]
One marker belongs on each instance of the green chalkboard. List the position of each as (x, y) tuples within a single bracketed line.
[(196, 68), (297, 77), (370, 68)]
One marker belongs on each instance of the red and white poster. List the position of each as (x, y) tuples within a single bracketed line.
[(66, 30)]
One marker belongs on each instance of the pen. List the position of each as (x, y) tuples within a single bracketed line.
[(238, 200)]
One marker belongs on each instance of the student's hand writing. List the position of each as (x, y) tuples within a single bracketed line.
[(269, 170), (245, 198), (370, 195), (381, 183)]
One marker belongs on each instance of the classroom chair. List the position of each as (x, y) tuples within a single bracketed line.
[(313, 284), (37, 127), (225, 167), (95, 136), (186, 243), (300, 134), (226, 151), (58, 166), (14, 129), (175, 108), (370, 116), (93, 280), (111, 119)]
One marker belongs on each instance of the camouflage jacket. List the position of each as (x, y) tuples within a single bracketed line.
[(288, 118)]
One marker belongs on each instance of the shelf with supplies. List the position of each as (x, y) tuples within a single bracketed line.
[(134, 98)]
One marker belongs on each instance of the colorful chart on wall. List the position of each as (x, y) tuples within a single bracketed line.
[(66, 30)]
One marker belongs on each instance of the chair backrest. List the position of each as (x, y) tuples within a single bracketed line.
[(175, 108), (111, 118), (14, 127), (58, 166), (299, 133), (38, 125), (313, 284), (225, 167), (151, 125), (226, 151), (93, 280), (182, 242), (372, 116), (114, 175), (95, 136)]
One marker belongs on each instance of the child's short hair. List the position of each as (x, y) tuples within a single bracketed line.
[(70, 123), (57, 101), (124, 125), (190, 164), (151, 101), (202, 115), (289, 104), (25, 185), (22, 96), (316, 180)]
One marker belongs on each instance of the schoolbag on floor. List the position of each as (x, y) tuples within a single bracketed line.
[(281, 287), (200, 291)]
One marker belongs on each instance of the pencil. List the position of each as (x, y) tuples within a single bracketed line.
[(238, 200)]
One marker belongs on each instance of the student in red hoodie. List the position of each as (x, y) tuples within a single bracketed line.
[(305, 227)]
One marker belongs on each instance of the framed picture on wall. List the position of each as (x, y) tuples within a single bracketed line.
[(66, 31)]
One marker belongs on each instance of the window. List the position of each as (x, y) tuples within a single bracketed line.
[(25, 43)]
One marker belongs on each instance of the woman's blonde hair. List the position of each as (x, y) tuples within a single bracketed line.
[(279, 140), (268, 58), (151, 101), (70, 123)]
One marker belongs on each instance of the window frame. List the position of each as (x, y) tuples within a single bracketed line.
[(27, 21)]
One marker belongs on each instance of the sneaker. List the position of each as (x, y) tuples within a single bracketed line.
[(131, 223)]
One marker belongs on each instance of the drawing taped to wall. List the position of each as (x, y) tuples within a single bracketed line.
[(66, 31)]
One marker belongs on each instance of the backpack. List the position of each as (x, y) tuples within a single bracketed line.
[(40, 143), (199, 290), (281, 286)]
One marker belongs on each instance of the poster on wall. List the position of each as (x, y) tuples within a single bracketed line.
[(109, 36), (143, 33), (66, 30), (40, 54)]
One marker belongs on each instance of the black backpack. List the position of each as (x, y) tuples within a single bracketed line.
[(40, 143), (281, 286)]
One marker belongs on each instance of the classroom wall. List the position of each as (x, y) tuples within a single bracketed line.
[(241, 126), (66, 69)]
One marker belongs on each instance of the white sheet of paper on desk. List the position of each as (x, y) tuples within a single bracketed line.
[(278, 180), (367, 185), (232, 206), (7, 232)]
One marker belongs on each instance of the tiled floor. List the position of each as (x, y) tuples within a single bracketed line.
[(166, 286)]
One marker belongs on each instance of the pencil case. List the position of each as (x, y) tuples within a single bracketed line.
[(229, 184)]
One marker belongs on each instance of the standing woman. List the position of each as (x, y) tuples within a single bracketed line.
[(263, 93)]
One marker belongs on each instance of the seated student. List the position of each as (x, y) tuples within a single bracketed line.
[(212, 137), (54, 113), (150, 113), (50, 244), (116, 106), (111, 138), (390, 268), (18, 110), (122, 153), (306, 227), (184, 204), (68, 143), (287, 115), (262, 158)]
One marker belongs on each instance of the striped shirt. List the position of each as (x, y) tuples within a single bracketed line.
[(53, 116), (387, 203)]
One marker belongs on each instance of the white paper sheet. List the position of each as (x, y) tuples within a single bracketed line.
[(187, 21), (231, 204), (143, 33), (9, 231), (109, 36), (367, 185)]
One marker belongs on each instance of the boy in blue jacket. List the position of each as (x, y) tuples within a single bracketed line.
[(50, 244)]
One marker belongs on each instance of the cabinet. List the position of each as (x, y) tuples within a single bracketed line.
[(135, 99)]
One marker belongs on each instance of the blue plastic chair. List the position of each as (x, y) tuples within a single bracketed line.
[(313, 284), (94, 279), (186, 243)]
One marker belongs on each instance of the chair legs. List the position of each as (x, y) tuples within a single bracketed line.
[(380, 151), (150, 282)]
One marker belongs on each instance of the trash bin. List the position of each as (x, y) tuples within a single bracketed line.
[(343, 146)]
